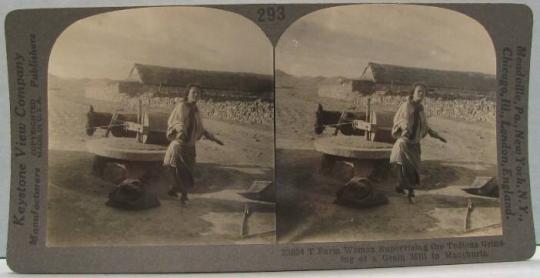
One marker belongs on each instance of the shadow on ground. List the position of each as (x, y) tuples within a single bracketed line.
[(77, 214), (73, 170), (306, 213)]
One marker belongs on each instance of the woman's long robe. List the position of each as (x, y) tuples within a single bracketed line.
[(410, 126), (184, 128)]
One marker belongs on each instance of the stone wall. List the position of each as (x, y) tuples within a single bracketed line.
[(477, 110), (250, 112)]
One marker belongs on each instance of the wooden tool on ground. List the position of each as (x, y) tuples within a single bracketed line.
[(467, 224), (244, 227)]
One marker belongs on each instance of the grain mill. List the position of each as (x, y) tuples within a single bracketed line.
[(137, 139), (361, 138)]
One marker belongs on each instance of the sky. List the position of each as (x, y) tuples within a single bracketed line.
[(340, 41), (107, 45)]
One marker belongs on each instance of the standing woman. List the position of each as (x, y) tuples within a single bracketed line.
[(184, 129), (410, 127)]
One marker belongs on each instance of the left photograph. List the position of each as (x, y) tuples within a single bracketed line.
[(160, 126)]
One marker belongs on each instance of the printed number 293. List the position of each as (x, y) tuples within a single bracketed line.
[(271, 14)]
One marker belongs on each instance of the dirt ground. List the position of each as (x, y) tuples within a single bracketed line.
[(306, 212), (77, 214)]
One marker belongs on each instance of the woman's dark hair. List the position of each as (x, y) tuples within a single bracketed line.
[(192, 85), (417, 84)]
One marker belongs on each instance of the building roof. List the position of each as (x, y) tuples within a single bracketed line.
[(181, 77), (400, 75)]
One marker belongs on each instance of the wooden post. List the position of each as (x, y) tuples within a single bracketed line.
[(139, 119), (341, 118), (111, 123), (368, 116), (139, 112)]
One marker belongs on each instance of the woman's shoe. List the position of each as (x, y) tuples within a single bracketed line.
[(183, 200), (400, 190), (173, 193), (412, 200)]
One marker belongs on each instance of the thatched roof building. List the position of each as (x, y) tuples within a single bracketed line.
[(220, 80), (399, 76), (384, 78), (172, 82)]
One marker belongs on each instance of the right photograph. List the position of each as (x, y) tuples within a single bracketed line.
[(385, 126)]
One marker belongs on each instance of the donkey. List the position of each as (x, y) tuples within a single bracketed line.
[(341, 121), (102, 120)]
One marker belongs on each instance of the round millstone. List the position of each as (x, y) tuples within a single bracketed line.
[(126, 149), (353, 147)]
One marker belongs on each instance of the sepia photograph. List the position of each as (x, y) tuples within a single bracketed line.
[(268, 137), (385, 126), (160, 128)]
